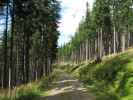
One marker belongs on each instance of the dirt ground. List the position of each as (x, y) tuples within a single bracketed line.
[(68, 88)]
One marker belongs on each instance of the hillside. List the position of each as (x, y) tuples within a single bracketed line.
[(59, 86), (112, 79)]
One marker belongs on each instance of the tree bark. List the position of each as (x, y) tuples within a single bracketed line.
[(114, 40), (86, 50), (123, 42)]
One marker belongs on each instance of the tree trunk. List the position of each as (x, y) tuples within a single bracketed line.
[(123, 42), (101, 43), (114, 40), (86, 50), (5, 80)]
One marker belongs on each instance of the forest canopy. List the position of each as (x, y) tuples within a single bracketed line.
[(107, 29), (28, 42)]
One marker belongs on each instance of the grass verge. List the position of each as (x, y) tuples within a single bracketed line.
[(31, 91), (112, 79)]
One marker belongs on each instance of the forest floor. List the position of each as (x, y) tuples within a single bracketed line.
[(112, 79), (63, 87), (67, 88)]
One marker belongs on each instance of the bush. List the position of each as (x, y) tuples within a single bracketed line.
[(44, 83), (112, 79), (27, 94), (107, 96)]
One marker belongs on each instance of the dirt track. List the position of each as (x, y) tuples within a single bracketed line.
[(67, 88)]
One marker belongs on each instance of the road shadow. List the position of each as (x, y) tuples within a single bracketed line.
[(68, 89), (71, 95)]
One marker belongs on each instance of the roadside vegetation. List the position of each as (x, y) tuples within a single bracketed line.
[(112, 79), (32, 91)]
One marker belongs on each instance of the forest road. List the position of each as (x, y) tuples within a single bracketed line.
[(68, 88)]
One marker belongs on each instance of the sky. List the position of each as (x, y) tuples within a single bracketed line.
[(72, 12)]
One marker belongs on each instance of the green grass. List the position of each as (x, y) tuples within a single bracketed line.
[(28, 94), (31, 91), (112, 79)]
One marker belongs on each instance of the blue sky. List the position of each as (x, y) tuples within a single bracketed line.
[(71, 14)]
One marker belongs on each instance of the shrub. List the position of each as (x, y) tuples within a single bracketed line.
[(27, 94)]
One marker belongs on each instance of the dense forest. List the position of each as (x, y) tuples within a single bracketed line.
[(106, 29), (100, 53), (96, 64), (28, 40)]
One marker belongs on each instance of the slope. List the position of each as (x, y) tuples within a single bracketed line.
[(112, 79)]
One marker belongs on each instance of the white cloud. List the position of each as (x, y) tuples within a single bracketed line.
[(72, 13)]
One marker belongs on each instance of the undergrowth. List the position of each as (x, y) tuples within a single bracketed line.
[(32, 91), (112, 79)]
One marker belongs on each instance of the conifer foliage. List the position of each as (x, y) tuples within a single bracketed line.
[(29, 40), (105, 30)]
